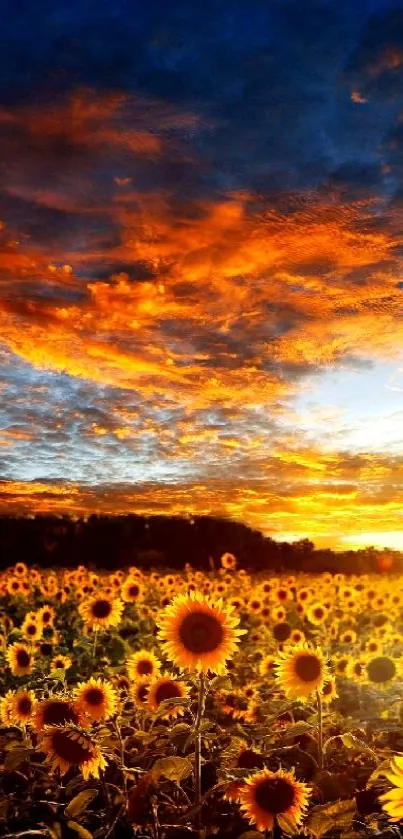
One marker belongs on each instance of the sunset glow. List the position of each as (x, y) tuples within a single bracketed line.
[(201, 275)]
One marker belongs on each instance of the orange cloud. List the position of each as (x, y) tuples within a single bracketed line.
[(241, 300)]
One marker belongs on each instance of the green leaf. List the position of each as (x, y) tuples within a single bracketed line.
[(296, 730), (81, 831), (349, 740), (58, 675), (173, 768), (179, 730), (221, 683), (116, 650), (79, 804), (14, 635), (167, 704), (328, 816)]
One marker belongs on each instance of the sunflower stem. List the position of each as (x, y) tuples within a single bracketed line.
[(94, 647), (320, 730), (122, 758), (200, 711)]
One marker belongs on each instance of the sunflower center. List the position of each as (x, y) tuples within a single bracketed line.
[(381, 669), (248, 759), (144, 667), (168, 690), (31, 629), (94, 696), (380, 620), (319, 613), (134, 591), (23, 658), (101, 608), (274, 795), (68, 749), (25, 705), (201, 632), (282, 631), (327, 689), (58, 712), (46, 617), (307, 667)]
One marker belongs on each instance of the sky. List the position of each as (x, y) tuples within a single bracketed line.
[(201, 254)]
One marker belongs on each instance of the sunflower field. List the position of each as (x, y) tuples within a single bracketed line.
[(172, 705)]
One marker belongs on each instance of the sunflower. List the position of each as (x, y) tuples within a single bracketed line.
[(250, 691), (228, 561), (235, 704), (139, 693), (240, 756), (31, 628), (22, 706), (255, 606), (340, 664), (267, 795), (382, 670), (254, 713), (96, 699), (297, 637), (303, 595), (20, 569), (267, 665), (301, 670), (131, 591), (143, 666), (20, 659), (392, 801), (278, 614), (121, 683), (61, 662), (14, 586), (199, 634), (66, 747), (282, 594), (316, 613), (55, 712), (355, 670), (46, 615), (349, 636), (101, 611), (6, 704), (329, 691), (167, 688)]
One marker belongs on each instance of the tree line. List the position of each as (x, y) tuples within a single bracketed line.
[(110, 542)]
